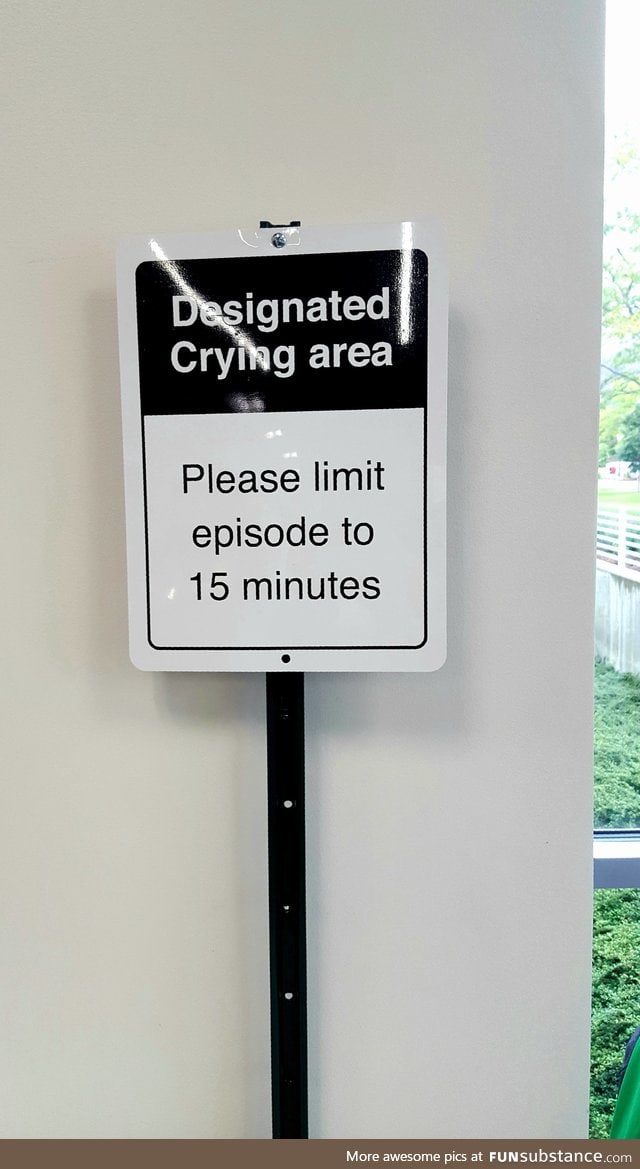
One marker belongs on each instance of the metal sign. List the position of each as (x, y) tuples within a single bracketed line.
[(284, 404)]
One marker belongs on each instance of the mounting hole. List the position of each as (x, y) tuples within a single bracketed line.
[(288, 803), (286, 658), (288, 994)]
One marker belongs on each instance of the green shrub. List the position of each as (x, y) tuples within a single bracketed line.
[(616, 996), (616, 749)]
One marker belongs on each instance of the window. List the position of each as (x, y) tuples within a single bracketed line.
[(616, 955)]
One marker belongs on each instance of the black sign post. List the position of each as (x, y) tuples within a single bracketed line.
[(287, 903)]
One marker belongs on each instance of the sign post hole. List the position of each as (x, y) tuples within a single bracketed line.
[(284, 407)]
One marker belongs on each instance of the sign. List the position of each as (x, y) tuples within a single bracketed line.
[(284, 436)]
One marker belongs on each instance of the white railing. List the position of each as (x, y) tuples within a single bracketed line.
[(618, 540)]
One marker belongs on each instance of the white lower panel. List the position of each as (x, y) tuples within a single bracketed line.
[(290, 531)]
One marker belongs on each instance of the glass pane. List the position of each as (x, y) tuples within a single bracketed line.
[(617, 633)]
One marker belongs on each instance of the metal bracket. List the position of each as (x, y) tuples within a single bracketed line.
[(266, 223)]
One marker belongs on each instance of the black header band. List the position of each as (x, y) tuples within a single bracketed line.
[(338, 331)]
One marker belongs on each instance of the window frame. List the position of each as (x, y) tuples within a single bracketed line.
[(616, 858)]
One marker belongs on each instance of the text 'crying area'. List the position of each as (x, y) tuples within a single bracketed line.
[(266, 315)]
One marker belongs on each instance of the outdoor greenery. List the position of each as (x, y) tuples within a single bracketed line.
[(616, 937), (616, 750), (616, 996), (628, 497), (630, 441), (620, 384)]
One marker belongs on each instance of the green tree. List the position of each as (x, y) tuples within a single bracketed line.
[(620, 386), (630, 445)]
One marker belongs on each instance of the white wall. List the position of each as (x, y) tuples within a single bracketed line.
[(449, 815)]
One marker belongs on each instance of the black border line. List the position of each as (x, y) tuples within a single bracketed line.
[(289, 647)]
